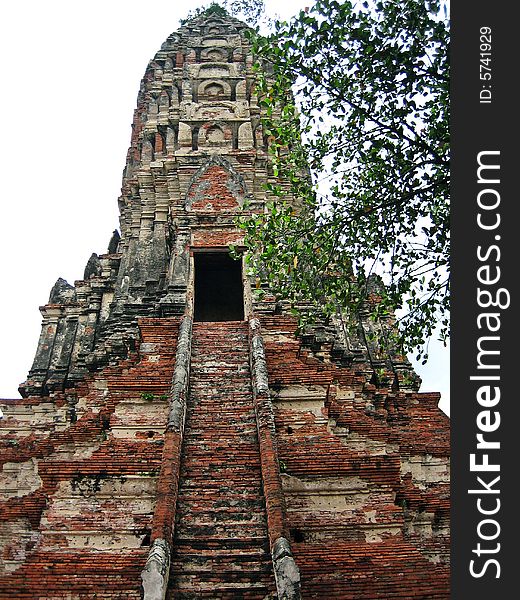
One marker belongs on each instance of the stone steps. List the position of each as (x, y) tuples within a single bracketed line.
[(229, 516), (221, 547), (213, 546), (229, 503)]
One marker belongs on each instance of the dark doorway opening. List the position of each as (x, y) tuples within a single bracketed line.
[(219, 292)]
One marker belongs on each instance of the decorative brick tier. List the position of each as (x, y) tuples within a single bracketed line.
[(364, 473), (359, 570), (221, 546), (78, 502)]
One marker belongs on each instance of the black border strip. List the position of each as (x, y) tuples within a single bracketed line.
[(484, 127)]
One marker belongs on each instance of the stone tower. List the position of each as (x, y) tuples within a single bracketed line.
[(175, 438)]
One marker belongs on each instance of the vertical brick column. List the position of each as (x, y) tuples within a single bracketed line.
[(39, 371), (156, 571), (287, 574)]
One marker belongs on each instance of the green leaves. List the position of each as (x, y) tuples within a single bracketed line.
[(370, 117), (250, 11)]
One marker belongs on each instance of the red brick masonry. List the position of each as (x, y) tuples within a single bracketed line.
[(366, 490)]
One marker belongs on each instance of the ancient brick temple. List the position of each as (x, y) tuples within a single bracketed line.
[(175, 438)]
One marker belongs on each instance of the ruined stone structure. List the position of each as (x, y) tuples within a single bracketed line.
[(175, 438)]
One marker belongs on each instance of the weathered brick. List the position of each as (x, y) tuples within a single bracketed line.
[(230, 448)]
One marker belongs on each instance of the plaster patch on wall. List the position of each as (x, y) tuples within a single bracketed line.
[(111, 513), (377, 534), (103, 542), (330, 494), (140, 414), (77, 451), (301, 392), (426, 469), (20, 479), (293, 484), (16, 540), (25, 419), (360, 443)]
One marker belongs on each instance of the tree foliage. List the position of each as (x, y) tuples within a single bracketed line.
[(250, 11), (363, 144)]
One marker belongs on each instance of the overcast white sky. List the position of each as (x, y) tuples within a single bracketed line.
[(70, 74)]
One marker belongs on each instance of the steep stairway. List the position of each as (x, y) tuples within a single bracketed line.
[(221, 548)]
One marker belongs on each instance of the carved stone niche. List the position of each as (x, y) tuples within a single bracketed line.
[(185, 135), (212, 90), (245, 137), (215, 71), (213, 28), (215, 135), (216, 186), (214, 55), (215, 42), (217, 110)]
